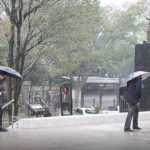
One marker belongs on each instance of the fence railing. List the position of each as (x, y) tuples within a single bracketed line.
[(123, 104)]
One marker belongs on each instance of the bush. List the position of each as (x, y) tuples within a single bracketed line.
[(97, 108)]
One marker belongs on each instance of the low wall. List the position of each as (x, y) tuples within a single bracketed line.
[(49, 122)]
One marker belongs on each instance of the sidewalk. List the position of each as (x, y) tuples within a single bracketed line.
[(75, 120), (81, 137)]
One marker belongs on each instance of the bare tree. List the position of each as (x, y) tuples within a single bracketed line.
[(28, 27)]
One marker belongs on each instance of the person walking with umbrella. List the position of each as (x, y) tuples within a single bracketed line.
[(2, 79), (133, 97), (4, 72)]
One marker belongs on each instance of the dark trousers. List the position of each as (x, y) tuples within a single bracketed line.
[(133, 112), (1, 114)]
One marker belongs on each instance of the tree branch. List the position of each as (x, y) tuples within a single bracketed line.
[(5, 6), (34, 9), (29, 69)]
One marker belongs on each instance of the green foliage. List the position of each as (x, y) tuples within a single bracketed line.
[(3, 53), (3, 49), (76, 42), (5, 24), (84, 38), (97, 108), (95, 40), (122, 30)]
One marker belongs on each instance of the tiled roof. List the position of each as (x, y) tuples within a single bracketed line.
[(98, 80)]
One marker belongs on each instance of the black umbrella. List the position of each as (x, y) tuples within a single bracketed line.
[(10, 72), (136, 74)]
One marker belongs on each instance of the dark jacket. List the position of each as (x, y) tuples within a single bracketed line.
[(134, 91), (1, 94)]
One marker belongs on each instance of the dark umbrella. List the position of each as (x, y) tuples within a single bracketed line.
[(136, 74), (10, 72)]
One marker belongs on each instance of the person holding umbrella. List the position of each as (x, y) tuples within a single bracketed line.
[(2, 79), (4, 72), (133, 97)]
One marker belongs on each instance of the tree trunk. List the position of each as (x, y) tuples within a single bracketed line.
[(17, 67), (78, 86), (10, 64), (148, 33), (16, 96), (77, 97), (10, 53)]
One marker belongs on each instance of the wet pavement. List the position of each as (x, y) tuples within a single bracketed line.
[(92, 137)]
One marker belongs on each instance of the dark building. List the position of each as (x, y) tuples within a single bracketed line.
[(142, 62), (96, 90)]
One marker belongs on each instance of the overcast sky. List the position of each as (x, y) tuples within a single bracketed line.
[(117, 2)]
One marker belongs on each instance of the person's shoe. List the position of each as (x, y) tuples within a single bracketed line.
[(3, 129), (137, 128), (128, 130)]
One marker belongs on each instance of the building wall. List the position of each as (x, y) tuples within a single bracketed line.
[(108, 99)]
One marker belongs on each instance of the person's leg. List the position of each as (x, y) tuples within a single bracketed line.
[(1, 118), (129, 118), (135, 118), (1, 113)]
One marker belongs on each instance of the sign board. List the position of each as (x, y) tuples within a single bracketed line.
[(66, 98)]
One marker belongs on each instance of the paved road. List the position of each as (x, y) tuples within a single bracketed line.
[(98, 137)]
